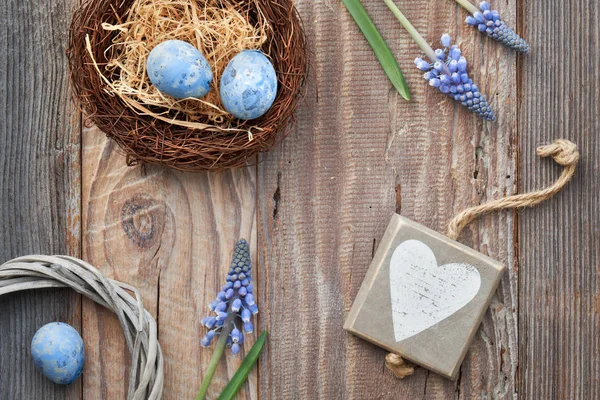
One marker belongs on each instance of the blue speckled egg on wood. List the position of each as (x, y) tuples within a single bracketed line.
[(179, 70), (57, 350), (248, 85)]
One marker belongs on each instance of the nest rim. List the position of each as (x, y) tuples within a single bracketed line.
[(148, 140)]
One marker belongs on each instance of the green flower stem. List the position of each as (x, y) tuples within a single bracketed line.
[(421, 42), (381, 49), (243, 371), (217, 354), (467, 5)]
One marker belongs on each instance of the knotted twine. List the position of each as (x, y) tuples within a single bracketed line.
[(146, 377), (564, 152)]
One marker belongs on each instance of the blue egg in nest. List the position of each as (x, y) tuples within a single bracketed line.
[(57, 350), (249, 85), (179, 70)]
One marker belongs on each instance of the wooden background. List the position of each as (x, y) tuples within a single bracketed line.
[(314, 209)]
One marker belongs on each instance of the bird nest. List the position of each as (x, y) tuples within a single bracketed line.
[(108, 47)]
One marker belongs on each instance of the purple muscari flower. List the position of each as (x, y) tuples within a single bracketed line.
[(488, 21), (207, 339), (449, 76), (235, 300), (236, 305), (253, 309), (246, 314)]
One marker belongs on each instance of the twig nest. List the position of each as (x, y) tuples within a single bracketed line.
[(109, 49)]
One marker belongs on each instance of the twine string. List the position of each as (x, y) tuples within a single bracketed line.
[(564, 152)]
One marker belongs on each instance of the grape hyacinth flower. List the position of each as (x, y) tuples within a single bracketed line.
[(448, 74), (446, 69), (234, 303), (488, 21), (231, 312)]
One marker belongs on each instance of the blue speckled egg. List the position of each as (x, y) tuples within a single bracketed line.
[(57, 350), (179, 70), (248, 85)]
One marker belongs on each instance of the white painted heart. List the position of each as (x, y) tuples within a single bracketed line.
[(424, 293)]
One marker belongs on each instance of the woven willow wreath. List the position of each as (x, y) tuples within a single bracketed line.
[(36, 272)]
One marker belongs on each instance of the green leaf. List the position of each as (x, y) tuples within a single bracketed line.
[(381, 49), (241, 374)]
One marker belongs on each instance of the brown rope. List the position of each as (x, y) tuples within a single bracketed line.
[(564, 153)]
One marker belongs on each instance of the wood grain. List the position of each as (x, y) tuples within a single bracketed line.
[(171, 235), (359, 153), (39, 182), (559, 241)]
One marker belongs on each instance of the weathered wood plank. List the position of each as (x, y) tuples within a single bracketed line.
[(172, 236), (359, 153), (559, 241), (39, 182)]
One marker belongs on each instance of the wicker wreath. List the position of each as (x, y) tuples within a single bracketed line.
[(36, 272), (146, 139)]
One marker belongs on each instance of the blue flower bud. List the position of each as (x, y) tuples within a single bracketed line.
[(455, 78), (243, 291), (236, 305), (235, 349), (445, 79), (424, 66), (248, 327), (246, 282), (229, 294), (241, 338), (210, 322), (429, 75), (471, 21), (440, 55), (452, 66), (253, 309), (445, 89), (435, 82), (213, 304), (221, 316), (246, 314), (249, 299), (446, 40), (455, 53), (221, 296), (205, 342), (237, 284), (235, 335), (462, 65), (222, 306), (250, 288)]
